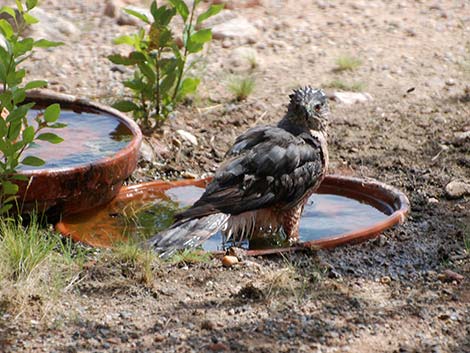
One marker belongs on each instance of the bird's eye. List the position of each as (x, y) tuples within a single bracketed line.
[(317, 107)]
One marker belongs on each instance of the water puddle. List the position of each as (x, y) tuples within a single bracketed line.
[(88, 137), (143, 215)]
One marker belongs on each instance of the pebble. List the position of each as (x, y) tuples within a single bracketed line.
[(351, 97), (461, 137), (146, 152), (207, 325), (218, 347), (456, 189), (159, 338), (238, 27), (53, 27), (229, 261), (450, 82), (433, 200), (187, 136), (449, 276)]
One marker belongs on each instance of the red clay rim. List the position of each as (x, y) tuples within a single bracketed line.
[(389, 195), (363, 189), (73, 102)]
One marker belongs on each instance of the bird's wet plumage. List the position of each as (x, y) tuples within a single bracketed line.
[(267, 176)]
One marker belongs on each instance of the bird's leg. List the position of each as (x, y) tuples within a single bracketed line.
[(291, 222)]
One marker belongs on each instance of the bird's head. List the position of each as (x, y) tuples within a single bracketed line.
[(308, 107)]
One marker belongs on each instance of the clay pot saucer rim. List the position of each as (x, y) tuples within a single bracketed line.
[(71, 101), (394, 197)]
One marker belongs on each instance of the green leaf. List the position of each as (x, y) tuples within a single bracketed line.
[(8, 10), (194, 47), (120, 59), (181, 8), (212, 11), (125, 106), (124, 39), (52, 113), (19, 177), (8, 188), (19, 96), (50, 137), (30, 4), (23, 46), (147, 72), (137, 57), (35, 84), (5, 208), (15, 129), (19, 5), (57, 126), (33, 161), (137, 14), (30, 19), (202, 36), (188, 86), (168, 82), (163, 15), (136, 85), (6, 29), (44, 43), (19, 112), (28, 134)]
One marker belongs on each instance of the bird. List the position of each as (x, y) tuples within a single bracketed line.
[(263, 183)]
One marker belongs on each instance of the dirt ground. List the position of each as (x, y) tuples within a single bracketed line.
[(386, 295)]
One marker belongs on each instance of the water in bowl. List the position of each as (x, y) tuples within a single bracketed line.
[(325, 216), (88, 137)]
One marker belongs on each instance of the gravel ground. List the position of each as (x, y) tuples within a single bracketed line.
[(391, 294)]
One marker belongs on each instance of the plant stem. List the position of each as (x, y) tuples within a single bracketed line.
[(157, 91), (185, 54)]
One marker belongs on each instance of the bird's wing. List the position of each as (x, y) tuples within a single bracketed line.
[(266, 166)]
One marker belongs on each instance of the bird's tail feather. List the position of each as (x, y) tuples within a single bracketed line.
[(187, 234)]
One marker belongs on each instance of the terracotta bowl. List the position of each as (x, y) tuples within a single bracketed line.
[(95, 227), (76, 188)]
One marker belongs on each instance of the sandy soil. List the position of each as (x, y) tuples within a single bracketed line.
[(386, 295)]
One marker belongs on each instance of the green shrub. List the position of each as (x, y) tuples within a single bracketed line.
[(160, 77), (16, 132), (347, 63)]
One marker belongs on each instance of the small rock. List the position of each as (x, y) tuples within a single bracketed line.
[(159, 338), (146, 152), (189, 175), (226, 44), (450, 82), (207, 325), (53, 27), (351, 97), (456, 189), (385, 280), (187, 136), (110, 9), (229, 261), (449, 276), (238, 27), (218, 347), (461, 137), (125, 315), (433, 200)]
